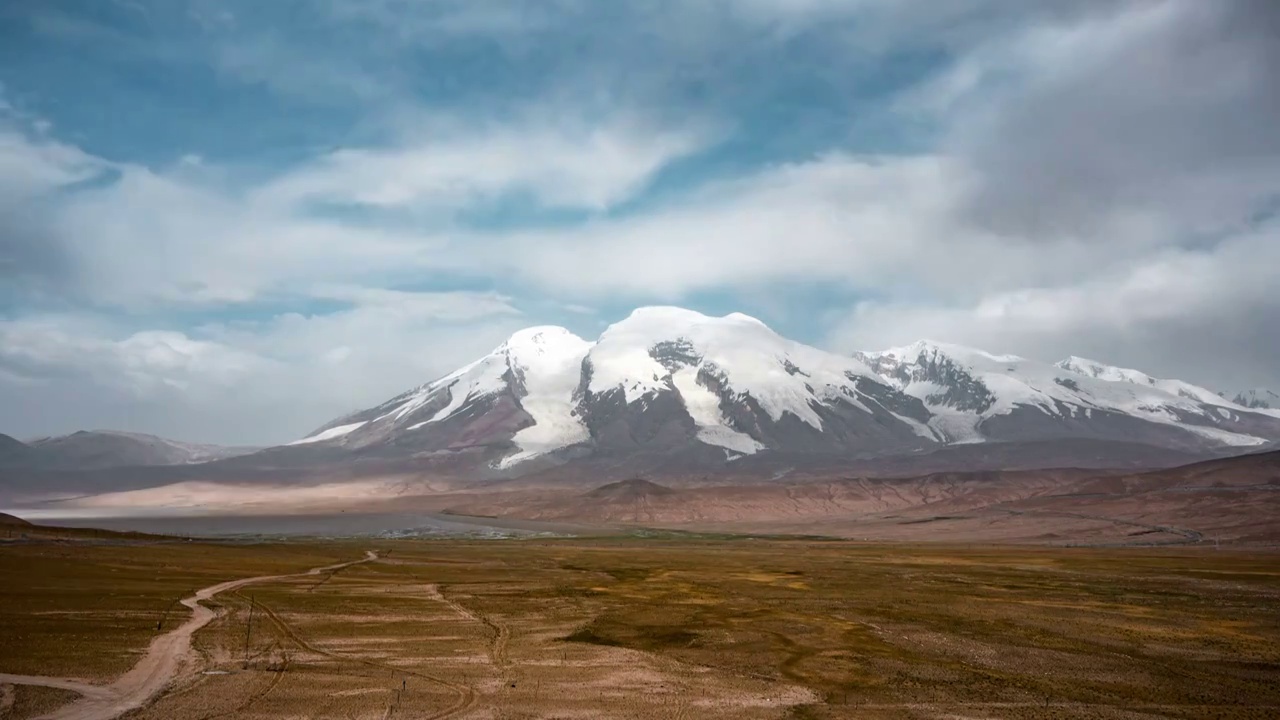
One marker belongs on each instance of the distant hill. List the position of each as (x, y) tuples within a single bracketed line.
[(10, 520), (100, 449), (12, 449), (1230, 501), (628, 491)]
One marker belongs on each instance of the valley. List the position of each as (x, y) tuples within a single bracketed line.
[(663, 628), (639, 360), (690, 517)]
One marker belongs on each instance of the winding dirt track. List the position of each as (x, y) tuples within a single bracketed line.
[(158, 666)]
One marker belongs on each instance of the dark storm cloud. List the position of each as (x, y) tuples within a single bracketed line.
[(33, 261), (1168, 107), (1133, 145)]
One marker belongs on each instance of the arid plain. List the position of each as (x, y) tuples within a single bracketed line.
[(628, 627)]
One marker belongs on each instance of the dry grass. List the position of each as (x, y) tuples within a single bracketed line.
[(88, 610), (23, 702), (685, 628)]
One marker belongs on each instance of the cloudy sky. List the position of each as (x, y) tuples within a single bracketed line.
[(231, 220)]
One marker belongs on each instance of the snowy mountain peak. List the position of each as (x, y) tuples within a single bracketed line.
[(639, 353), (533, 375), (934, 349), (666, 320), (743, 318), (1111, 373), (976, 395), (542, 339), (1102, 371), (666, 380), (546, 363), (745, 387)]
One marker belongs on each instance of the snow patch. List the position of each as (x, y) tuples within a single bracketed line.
[(1179, 388), (704, 407), (548, 361), (330, 434), (780, 375), (1225, 437)]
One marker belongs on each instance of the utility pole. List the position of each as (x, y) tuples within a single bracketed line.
[(164, 615), (248, 630)]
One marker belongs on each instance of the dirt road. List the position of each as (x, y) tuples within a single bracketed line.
[(158, 666)]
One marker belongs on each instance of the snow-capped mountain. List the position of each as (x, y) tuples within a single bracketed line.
[(976, 396), (1100, 371), (680, 383), (665, 376), (1257, 398), (521, 395), (662, 380)]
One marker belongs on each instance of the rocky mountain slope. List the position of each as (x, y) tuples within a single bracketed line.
[(1257, 398), (1232, 501), (711, 390), (975, 396)]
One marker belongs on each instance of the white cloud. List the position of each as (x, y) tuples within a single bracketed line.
[(152, 238), (246, 382), (451, 306), (1162, 110), (881, 224), (560, 163), (187, 235), (46, 350), (1101, 186), (31, 165), (1206, 315)]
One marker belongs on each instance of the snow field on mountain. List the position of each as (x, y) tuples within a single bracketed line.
[(330, 434), (704, 407), (548, 361), (752, 358), (1076, 383), (735, 366)]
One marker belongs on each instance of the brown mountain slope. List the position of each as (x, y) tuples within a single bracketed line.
[(1233, 500), (10, 520)]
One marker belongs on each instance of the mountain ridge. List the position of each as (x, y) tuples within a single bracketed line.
[(671, 380), (101, 449), (1257, 398), (686, 392)]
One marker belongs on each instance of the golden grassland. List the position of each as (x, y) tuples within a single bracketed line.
[(667, 628), (88, 610)]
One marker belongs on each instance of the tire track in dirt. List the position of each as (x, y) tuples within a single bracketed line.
[(162, 661), (500, 633), (500, 639), (275, 682), (466, 693), (277, 678)]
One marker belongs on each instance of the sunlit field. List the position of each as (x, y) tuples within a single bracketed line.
[(644, 628)]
